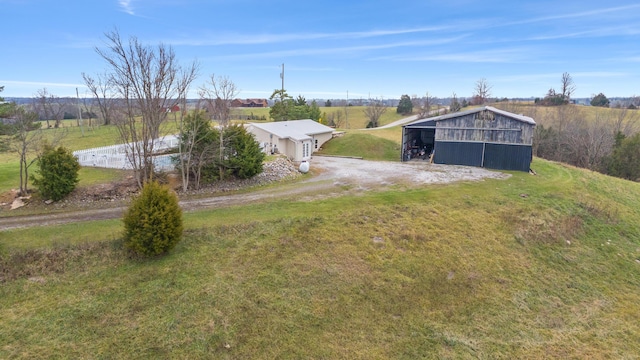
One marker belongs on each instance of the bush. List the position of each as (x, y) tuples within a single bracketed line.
[(244, 157), (58, 170), (153, 221), (625, 160)]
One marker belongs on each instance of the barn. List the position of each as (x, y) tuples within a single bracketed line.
[(483, 137)]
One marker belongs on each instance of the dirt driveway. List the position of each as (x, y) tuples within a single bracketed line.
[(330, 176)]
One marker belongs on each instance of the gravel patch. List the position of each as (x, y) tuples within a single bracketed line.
[(349, 170)]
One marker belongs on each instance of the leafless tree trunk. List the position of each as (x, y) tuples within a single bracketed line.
[(482, 91), (625, 121), (103, 93), (193, 150), (424, 108), (335, 118), (567, 87), (373, 112), (26, 142), (218, 94), (49, 106), (149, 81), (41, 105)]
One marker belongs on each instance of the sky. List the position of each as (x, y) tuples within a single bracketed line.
[(335, 49)]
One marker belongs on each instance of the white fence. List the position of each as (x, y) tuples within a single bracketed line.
[(116, 156)]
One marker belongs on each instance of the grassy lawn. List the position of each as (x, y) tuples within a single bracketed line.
[(539, 266), (363, 144)]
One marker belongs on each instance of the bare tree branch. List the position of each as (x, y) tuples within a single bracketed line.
[(149, 81)]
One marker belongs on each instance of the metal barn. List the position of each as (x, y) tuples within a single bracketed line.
[(483, 137)]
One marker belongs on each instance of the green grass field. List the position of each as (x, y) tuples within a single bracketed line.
[(363, 144), (542, 266), (78, 138)]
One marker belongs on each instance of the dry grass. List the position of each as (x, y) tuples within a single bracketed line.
[(532, 267)]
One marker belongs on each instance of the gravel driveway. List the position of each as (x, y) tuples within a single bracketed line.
[(331, 174), (356, 171)]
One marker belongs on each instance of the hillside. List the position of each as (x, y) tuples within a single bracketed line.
[(544, 266)]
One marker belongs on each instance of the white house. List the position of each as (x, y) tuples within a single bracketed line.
[(297, 139)]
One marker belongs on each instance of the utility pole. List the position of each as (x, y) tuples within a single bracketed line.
[(346, 111), (282, 77), (79, 112)]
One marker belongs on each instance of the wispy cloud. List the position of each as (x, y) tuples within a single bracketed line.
[(598, 74), (253, 39), (581, 14), (599, 32), (125, 6), (488, 56), (346, 51), (40, 84)]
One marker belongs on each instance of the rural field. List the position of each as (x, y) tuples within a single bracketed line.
[(522, 266)]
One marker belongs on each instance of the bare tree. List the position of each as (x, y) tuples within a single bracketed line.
[(482, 92), (625, 121), (373, 112), (218, 94), (567, 87), (50, 106), (149, 81), (102, 91), (335, 118), (424, 108), (27, 140), (454, 105)]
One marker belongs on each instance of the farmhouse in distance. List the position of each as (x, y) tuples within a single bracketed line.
[(261, 103)]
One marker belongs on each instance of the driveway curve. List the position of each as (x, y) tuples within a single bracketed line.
[(331, 176)]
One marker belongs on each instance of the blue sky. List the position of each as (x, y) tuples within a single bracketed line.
[(377, 49)]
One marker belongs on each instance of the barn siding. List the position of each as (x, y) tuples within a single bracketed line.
[(485, 126), (458, 153), (507, 157)]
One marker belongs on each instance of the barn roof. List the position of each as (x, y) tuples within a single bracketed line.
[(432, 121), (294, 129)]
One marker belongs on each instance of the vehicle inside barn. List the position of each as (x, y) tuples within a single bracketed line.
[(482, 137)]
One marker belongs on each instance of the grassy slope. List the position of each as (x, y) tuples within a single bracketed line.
[(529, 267), (363, 144)]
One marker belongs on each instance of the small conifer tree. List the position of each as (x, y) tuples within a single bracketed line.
[(58, 170), (153, 222)]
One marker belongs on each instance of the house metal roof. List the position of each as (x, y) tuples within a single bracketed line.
[(294, 129), (422, 122)]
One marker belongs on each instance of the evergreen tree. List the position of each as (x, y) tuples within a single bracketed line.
[(600, 100), (58, 170), (153, 222), (405, 107), (314, 111), (243, 157), (625, 160)]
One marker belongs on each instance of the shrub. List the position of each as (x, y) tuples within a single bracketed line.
[(58, 170), (244, 157), (153, 221)]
